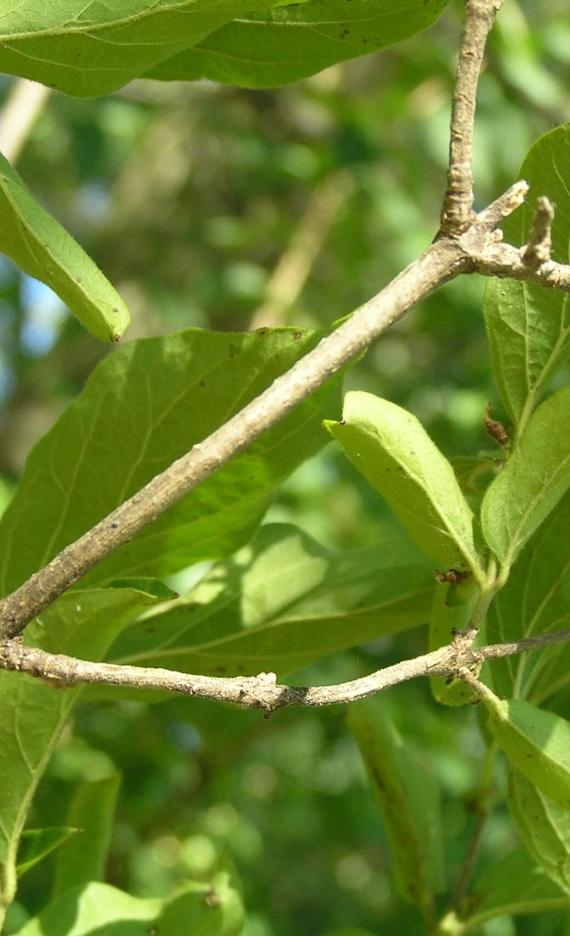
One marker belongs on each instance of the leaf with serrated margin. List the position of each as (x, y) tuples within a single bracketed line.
[(544, 826), (528, 327), (142, 408), (390, 447), (43, 249), (532, 482), (514, 886), (295, 40), (282, 603), (90, 49), (409, 801), (534, 601), (34, 713)]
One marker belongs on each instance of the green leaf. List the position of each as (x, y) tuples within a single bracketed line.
[(142, 408), (452, 609), (281, 603), (532, 482), (527, 326), (90, 49), (535, 600), (37, 844), (295, 40), (536, 742), (212, 909), (91, 812), (511, 887), (392, 450), (409, 801), (544, 827), (93, 910), (95, 48), (34, 713), (43, 249)]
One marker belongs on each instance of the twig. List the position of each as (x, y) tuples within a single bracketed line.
[(262, 691), (457, 213), (21, 110)]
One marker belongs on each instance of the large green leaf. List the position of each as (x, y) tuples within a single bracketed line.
[(90, 813), (528, 327), (535, 600), (532, 482), (511, 887), (390, 447), (93, 910), (282, 603), (33, 712), (94, 48), (298, 39), (544, 826), (41, 247), (409, 801), (143, 407)]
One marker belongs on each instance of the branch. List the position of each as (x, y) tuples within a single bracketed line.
[(262, 692), (457, 213)]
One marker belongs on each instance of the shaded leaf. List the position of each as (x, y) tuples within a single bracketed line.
[(92, 910), (392, 450), (142, 408), (451, 611), (34, 713), (544, 826), (37, 844), (513, 886), (211, 909), (91, 812), (43, 249), (295, 40), (409, 801), (282, 603), (528, 327), (532, 482)]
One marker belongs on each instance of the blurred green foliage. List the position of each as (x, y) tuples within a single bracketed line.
[(188, 196)]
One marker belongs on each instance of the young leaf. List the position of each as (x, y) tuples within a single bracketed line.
[(214, 908), (33, 712), (43, 249), (511, 887), (532, 482), (93, 910), (91, 813), (144, 406), (392, 450), (294, 40), (544, 827), (37, 844), (282, 603), (536, 742), (452, 608), (409, 802), (528, 327)]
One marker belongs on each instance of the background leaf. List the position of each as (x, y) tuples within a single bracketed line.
[(41, 247), (292, 41), (532, 482), (36, 844), (544, 826), (34, 712), (92, 910), (91, 813), (211, 909), (104, 448), (283, 602), (393, 451), (528, 327), (408, 797)]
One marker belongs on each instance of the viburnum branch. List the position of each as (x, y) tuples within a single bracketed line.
[(457, 212), (263, 692)]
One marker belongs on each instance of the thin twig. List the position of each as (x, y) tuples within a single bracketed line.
[(457, 213), (21, 111), (263, 691)]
